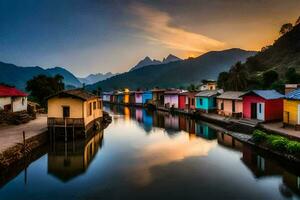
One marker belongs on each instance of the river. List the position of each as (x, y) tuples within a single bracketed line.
[(153, 155)]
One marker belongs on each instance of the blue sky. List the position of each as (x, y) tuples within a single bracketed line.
[(90, 36)]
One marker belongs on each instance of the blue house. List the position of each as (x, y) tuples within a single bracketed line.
[(206, 100), (146, 96), (120, 97), (203, 130)]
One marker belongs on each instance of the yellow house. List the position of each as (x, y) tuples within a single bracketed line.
[(75, 108), (291, 109)]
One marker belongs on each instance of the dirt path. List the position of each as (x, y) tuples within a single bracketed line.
[(10, 135)]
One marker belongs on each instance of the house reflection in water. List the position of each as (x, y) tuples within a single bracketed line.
[(229, 141), (68, 160), (127, 113), (203, 130), (262, 166)]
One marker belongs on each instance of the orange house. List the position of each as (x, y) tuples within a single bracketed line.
[(230, 104)]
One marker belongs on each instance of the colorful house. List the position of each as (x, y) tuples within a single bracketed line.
[(230, 103), (132, 97), (158, 96), (206, 100), (146, 96), (12, 99), (126, 96), (74, 109), (264, 105), (171, 98), (106, 96), (120, 97), (139, 97), (187, 100), (208, 85), (291, 109)]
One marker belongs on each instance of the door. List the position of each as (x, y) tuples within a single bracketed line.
[(253, 110), (261, 111), (298, 113), (233, 106), (66, 111)]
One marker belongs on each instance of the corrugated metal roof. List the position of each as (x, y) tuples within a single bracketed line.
[(235, 95), (293, 95), (266, 94), (207, 93), (77, 93)]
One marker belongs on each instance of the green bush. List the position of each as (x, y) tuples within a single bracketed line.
[(293, 147), (279, 144), (259, 136)]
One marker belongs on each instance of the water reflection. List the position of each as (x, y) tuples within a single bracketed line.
[(155, 155), (66, 160)]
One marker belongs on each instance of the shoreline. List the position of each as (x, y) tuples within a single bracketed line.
[(20, 152), (238, 131)]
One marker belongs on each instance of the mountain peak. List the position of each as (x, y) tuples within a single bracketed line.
[(171, 58)]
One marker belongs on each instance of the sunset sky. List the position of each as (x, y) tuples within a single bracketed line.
[(91, 36)]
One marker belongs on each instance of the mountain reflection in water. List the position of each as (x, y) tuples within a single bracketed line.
[(153, 155)]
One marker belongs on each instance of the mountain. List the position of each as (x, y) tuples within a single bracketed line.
[(275, 60), (176, 74), (18, 76), (284, 53), (147, 61), (170, 58), (93, 78)]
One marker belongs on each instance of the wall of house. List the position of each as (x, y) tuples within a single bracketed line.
[(227, 111), (4, 101), (96, 113), (273, 108), (138, 98), (207, 103), (172, 100), (106, 98), (182, 102), (247, 100), (291, 107), (146, 97), (55, 107), (126, 98), (19, 104)]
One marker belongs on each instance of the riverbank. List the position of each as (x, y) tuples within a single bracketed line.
[(15, 147)]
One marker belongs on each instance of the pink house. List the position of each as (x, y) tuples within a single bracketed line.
[(171, 98)]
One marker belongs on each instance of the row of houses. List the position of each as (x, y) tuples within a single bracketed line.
[(263, 105)]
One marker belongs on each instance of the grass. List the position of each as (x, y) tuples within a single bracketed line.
[(276, 142)]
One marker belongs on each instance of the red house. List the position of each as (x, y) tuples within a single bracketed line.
[(264, 105), (187, 100)]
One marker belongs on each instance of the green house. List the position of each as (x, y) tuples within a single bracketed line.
[(206, 100)]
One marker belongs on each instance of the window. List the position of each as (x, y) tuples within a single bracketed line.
[(201, 102), (66, 111), (222, 105), (233, 106), (193, 101), (23, 101), (259, 107), (89, 109), (94, 105)]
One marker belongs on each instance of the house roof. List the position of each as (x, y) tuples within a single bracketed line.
[(75, 93), (295, 95), (6, 91), (107, 93), (207, 93), (173, 91), (234, 95), (266, 94), (188, 93)]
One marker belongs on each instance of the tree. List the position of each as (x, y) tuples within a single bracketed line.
[(43, 86), (269, 77), (292, 76), (191, 88), (286, 28), (222, 80), (298, 21), (237, 78)]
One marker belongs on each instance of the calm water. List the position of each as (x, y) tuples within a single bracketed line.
[(144, 155)]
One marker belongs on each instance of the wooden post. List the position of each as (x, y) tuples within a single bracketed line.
[(24, 139)]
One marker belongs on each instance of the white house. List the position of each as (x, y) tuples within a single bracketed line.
[(12, 99)]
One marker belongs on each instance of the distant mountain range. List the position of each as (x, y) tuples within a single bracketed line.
[(18, 76), (148, 61), (94, 78), (176, 73)]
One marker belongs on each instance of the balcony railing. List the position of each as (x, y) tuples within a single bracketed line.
[(69, 122)]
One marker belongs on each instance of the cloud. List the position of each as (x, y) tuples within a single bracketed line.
[(157, 28)]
